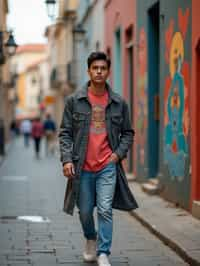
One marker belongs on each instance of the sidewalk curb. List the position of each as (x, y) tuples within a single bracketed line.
[(166, 240)]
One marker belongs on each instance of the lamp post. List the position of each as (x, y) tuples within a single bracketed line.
[(7, 48), (11, 45), (78, 33), (51, 4)]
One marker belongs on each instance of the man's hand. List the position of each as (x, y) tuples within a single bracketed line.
[(68, 170), (114, 158)]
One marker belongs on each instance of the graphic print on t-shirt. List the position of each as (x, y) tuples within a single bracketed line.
[(98, 119), (98, 149)]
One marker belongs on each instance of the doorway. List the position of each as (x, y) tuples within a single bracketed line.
[(197, 135), (130, 87), (118, 63), (130, 101), (153, 90)]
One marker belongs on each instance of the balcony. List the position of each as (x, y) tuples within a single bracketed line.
[(58, 76), (63, 74), (71, 73)]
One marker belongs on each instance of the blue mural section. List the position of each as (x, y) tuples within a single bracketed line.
[(175, 144)]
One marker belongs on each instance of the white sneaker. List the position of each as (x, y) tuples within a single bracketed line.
[(103, 260), (89, 254)]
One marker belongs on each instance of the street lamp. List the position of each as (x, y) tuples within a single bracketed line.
[(11, 45), (50, 4), (7, 48), (78, 33)]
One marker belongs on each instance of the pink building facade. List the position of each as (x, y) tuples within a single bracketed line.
[(194, 105), (120, 34)]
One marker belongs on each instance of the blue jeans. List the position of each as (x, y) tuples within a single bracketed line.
[(98, 188)]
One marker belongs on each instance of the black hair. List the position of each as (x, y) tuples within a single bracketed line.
[(98, 56)]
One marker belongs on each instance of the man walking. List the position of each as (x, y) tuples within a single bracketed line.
[(95, 135)]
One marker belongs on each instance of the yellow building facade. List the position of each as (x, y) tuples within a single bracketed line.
[(25, 56)]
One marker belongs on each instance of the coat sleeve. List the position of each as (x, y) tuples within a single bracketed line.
[(66, 133), (127, 134)]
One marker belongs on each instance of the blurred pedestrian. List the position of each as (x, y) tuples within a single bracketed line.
[(95, 136), (13, 128), (25, 129), (37, 134), (50, 134)]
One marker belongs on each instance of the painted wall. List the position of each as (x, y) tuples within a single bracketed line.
[(142, 91), (177, 88), (170, 108), (194, 103), (121, 18)]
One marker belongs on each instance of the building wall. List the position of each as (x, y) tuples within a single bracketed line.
[(3, 12), (47, 94), (68, 5), (32, 91), (82, 8), (22, 60), (116, 19), (21, 89), (19, 64), (163, 95), (194, 103), (91, 17), (97, 42), (83, 48), (6, 106), (60, 52), (120, 16)]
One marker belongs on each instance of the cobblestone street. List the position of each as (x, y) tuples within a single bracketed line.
[(31, 187)]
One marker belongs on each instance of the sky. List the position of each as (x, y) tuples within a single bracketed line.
[(28, 20)]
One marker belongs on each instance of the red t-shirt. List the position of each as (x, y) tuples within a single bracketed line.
[(98, 150)]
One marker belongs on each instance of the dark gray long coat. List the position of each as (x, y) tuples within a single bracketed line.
[(73, 137)]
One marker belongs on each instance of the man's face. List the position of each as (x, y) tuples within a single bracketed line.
[(98, 71)]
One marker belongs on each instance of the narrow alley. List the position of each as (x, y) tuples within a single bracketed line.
[(116, 83)]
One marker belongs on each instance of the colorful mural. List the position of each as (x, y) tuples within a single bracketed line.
[(141, 123), (176, 98)]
